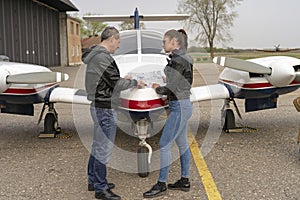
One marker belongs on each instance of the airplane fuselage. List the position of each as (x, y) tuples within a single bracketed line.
[(244, 86)]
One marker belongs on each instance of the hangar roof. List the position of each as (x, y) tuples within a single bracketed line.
[(61, 5)]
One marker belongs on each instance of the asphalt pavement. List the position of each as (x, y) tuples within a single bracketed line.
[(263, 163)]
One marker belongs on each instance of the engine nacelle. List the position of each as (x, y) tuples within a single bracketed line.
[(3, 75), (282, 74)]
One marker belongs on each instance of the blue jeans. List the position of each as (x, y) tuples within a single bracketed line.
[(175, 130), (103, 142)]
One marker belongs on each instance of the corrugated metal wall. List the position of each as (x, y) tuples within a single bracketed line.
[(29, 32)]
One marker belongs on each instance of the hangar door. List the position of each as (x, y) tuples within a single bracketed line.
[(29, 32)]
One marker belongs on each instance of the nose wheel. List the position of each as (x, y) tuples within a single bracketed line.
[(142, 159)]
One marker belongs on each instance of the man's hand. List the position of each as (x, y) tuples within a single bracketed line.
[(128, 77), (140, 84), (155, 85)]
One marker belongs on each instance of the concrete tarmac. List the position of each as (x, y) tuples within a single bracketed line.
[(262, 164)]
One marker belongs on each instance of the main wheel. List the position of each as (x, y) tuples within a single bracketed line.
[(49, 123), (229, 120), (143, 165)]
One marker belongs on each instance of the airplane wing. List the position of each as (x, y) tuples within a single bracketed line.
[(278, 50), (79, 96), (209, 92), (266, 50), (69, 95), (126, 18)]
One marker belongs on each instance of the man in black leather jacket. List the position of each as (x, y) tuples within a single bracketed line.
[(103, 85)]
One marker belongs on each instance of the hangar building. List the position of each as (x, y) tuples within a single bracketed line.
[(35, 31)]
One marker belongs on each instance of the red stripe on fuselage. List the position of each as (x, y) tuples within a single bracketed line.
[(28, 90), (143, 105), (254, 85)]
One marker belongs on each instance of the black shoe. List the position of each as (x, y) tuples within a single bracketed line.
[(91, 186), (182, 184), (157, 190), (107, 195)]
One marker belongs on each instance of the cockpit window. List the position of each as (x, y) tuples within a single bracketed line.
[(128, 44), (151, 42)]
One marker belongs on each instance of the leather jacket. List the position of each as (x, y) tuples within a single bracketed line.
[(179, 74), (103, 83)]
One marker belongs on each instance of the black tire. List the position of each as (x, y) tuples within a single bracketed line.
[(143, 165), (49, 124), (229, 120)]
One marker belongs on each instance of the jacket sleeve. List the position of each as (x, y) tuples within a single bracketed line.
[(111, 75), (124, 84)]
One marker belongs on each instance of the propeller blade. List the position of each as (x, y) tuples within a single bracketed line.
[(242, 65), (37, 77)]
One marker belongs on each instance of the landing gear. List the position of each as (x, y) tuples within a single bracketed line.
[(297, 106), (229, 122), (228, 119), (144, 152), (228, 115), (142, 159), (50, 122), (298, 142)]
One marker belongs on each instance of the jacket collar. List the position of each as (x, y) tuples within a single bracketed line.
[(179, 51)]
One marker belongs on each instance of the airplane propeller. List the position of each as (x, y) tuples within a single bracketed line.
[(37, 77), (242, 65)]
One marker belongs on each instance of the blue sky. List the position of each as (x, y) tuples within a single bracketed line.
[(260, 23)]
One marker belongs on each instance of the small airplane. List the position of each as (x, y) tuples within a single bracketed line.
[(258, 81), (23, 85), (278, 49)]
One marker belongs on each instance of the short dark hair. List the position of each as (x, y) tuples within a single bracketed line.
[(108, 32)]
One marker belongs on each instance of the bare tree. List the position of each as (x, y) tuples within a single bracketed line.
[(91, 28), (210, 19), (130, 25)]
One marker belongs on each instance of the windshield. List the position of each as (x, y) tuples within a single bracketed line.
[(150, 42), (128, 44)]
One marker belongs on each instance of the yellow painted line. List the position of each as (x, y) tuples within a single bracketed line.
[(206, 177)]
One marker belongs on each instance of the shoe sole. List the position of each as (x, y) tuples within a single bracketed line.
[(181, 189), (110, 186), (157, 195)]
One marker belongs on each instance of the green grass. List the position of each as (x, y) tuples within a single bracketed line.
[(205, 57)]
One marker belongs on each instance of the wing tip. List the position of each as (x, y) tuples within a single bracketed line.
[(219, 60)]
